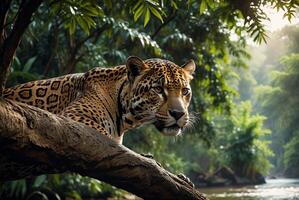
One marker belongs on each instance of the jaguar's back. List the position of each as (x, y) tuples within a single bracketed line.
[(52, 94)]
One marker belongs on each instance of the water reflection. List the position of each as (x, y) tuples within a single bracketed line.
[(274, 189)]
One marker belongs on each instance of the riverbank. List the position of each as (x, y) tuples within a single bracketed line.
[(223, 177)]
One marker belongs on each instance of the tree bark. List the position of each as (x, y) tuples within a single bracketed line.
[(34, 142), (10, 44)]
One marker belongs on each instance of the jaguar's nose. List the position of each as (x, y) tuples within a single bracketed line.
[(176, 114)]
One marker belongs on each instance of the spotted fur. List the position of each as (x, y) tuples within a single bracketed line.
[(113, 100)]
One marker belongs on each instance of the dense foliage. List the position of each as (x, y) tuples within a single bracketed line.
[(281, 104), (271, 85), (74, 36)]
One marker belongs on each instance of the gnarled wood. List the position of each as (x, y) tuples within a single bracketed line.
[(36, 142)]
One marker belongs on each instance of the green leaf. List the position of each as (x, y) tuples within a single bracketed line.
[(174, 4), (156, 13), (16, 63), (72, 26), (138, 13), (72, 10), (74, 195), (211, 3), (82, 23), (93, 11), (203, 6), (28, 64), (137, 5), (90, 22), (39, 180), (147, 17), (95, 187), (141, 39)]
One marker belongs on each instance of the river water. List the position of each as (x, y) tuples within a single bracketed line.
[(274, 189)]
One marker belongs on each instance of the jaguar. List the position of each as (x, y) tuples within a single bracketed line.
[(114, 100)]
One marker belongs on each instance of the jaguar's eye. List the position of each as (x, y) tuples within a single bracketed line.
[(158, 89), (185, 91)]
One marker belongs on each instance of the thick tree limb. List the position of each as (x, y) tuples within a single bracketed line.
[(36, 142)]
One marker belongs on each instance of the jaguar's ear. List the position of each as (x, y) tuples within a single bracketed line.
[(189, 67), (135, 67)]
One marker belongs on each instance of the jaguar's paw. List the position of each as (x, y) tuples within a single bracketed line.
[(186, 179)]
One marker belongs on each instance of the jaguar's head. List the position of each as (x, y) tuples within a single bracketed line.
[(160, 93)]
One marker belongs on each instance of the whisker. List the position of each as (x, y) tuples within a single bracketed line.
[(193, 119)]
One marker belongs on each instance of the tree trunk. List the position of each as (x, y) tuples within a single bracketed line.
[(9, 45), (35, 142)]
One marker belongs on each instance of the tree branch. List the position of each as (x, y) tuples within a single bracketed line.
[(169, 19), (35, 142), (10, 44), (53, 47), (4, 7), (73, 57)]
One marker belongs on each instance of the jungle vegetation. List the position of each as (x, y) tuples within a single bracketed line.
[(243, 114)]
